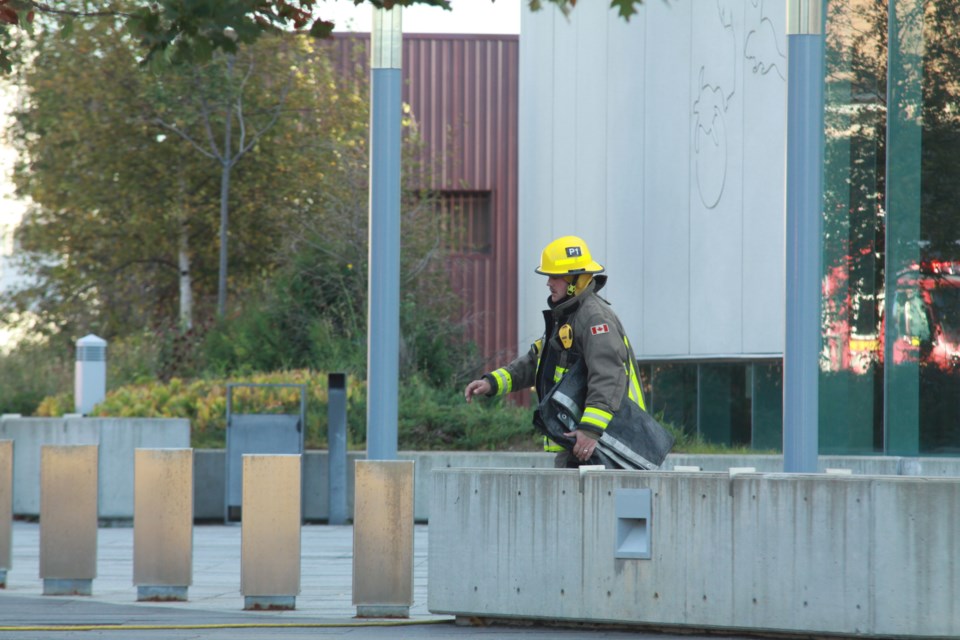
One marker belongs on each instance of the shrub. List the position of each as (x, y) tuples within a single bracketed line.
[(439, 419), (32, 372), (429, 419), (204, 403)]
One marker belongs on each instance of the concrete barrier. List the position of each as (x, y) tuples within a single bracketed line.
[(117, 439), (832, 554), (208, 471), (209, 478)]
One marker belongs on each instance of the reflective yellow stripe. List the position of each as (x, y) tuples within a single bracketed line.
[(551, 446), (635, 393), (538, 346), (504, 381), (558, 373), (596, 417)]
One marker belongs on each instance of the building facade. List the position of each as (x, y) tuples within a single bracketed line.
[(661, 140), (462, 93)]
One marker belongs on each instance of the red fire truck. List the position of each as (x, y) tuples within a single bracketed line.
[(926, 310)]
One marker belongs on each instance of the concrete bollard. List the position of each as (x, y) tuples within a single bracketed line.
[(270, 533), (6, 509), (163, 524), (383, 538), (68, 519)]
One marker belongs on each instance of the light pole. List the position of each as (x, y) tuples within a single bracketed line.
[(383, 324), (805, 51)]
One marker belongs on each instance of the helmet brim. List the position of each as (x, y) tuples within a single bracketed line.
[(593, 267)]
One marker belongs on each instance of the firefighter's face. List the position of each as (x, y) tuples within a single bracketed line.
[(558, 288)]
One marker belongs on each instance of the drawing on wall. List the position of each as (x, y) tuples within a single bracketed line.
[(718, 83), (762, 46)]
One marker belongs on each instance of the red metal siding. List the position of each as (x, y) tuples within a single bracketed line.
[(462, 91)]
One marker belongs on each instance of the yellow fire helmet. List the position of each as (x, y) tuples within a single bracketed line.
[(568, 255)]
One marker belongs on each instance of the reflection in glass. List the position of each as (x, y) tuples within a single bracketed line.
[(726, 403), (855, 90), (889, 380)]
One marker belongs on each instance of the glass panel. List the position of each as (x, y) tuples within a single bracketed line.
[(855, 93), (724, 405), (905, 105), (672, 393), (767, 401), (923, 255)]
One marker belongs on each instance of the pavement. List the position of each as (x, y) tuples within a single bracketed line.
[(214, 606)]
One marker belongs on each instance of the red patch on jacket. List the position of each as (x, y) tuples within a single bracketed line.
[(599, 328)]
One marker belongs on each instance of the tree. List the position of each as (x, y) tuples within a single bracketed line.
[(217, 100), (176, 31), (313, 312), (121, 224)]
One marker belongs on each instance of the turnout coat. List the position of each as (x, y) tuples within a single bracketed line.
[(584, 372)]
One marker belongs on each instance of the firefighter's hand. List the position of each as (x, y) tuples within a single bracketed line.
[(476, 388), (584, 445)]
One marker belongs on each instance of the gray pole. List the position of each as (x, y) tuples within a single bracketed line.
[(337, 447), (805, 50), (383, 326)]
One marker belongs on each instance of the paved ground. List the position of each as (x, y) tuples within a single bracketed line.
[(214, 609)]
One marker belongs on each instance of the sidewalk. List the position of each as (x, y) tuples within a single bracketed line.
[(214, 598), (214, 610)]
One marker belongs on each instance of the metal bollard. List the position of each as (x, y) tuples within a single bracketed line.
[(6, 509), (383, 538), (68, 519), (337, 447), (270, 531), (162, 523), (90, 377)]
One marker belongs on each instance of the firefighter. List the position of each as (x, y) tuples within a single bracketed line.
[(583, 354)]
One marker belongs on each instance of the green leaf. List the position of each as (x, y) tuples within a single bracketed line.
[(66, 28), (321, 28), (625, 8)]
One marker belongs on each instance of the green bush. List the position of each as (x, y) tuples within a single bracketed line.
[(440, 419), (429, 419), (204, 403)]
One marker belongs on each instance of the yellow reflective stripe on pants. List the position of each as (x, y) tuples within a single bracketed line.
[(551, 446)]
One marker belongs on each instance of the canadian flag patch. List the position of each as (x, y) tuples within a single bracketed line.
[(597, 329)]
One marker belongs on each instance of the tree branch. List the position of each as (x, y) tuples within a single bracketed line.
[(183, 134), (75, 13)]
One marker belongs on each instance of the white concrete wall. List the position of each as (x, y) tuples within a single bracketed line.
[(118, 438), (661, 141), (116, 462), (867, 556)]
